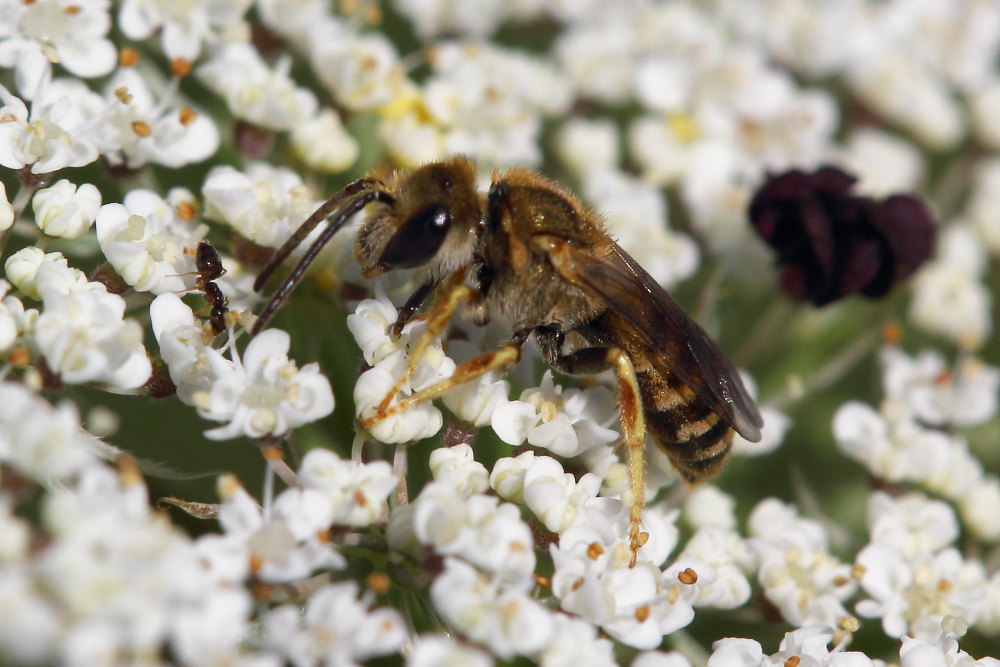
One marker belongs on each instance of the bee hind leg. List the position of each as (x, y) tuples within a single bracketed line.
[(594, 360)]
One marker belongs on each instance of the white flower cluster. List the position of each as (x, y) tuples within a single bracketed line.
[(69, 125), (570, 423), (800, 577), (388, 359), (263, 394), (265, 204), (134, 132), (949, 297), (114, 581), (81, 330), (914, 576), (906, 440)]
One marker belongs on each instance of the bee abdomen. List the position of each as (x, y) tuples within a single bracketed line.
[(691, 434)]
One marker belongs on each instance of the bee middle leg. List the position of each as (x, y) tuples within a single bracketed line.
[(501, 358), (594, 360)]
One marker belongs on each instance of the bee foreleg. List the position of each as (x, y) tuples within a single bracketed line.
[(412, 305), (454, 293)]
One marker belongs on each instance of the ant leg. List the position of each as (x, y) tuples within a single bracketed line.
[(593, 360)]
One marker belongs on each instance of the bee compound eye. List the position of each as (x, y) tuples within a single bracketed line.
[(418, 240)]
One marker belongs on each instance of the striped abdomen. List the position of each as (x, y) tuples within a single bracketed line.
[(689, 431)]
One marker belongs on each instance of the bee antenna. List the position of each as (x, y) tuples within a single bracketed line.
[(343, 214), (328, 208)]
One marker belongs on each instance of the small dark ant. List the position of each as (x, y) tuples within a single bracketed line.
[(209, 267)]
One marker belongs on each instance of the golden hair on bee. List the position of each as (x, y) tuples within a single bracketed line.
[(531, 252)]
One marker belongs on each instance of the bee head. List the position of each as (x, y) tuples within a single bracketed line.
[(432, 221)]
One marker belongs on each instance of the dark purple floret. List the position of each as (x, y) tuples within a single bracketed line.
[(830, 243)]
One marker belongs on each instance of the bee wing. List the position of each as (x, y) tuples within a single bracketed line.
[(687, 352)]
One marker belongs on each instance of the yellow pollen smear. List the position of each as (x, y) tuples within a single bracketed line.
[(858, 571), (684, 127), (187, 115), (970, 341), (202, 400), (227, 486), (379, 583), (848, 623), (263, 193), (328, 279), (185, 210), (272, 453), (128, 57), (135, 227), (674, 594), (129, 471), (50, 53), (287, 372), (891, 332), (301, 200), (793, 661), (368, 11), (407, 103), (171, 252), (595, 550), (123, 95), (8, 118), (548, 410), (19, 356), (180, 67), (72, 9), (359, 499), (256, 562), (642, 613), (141, 128), (687, 576)]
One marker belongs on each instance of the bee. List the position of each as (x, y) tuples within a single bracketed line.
[(208, 266), (531, 252)]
